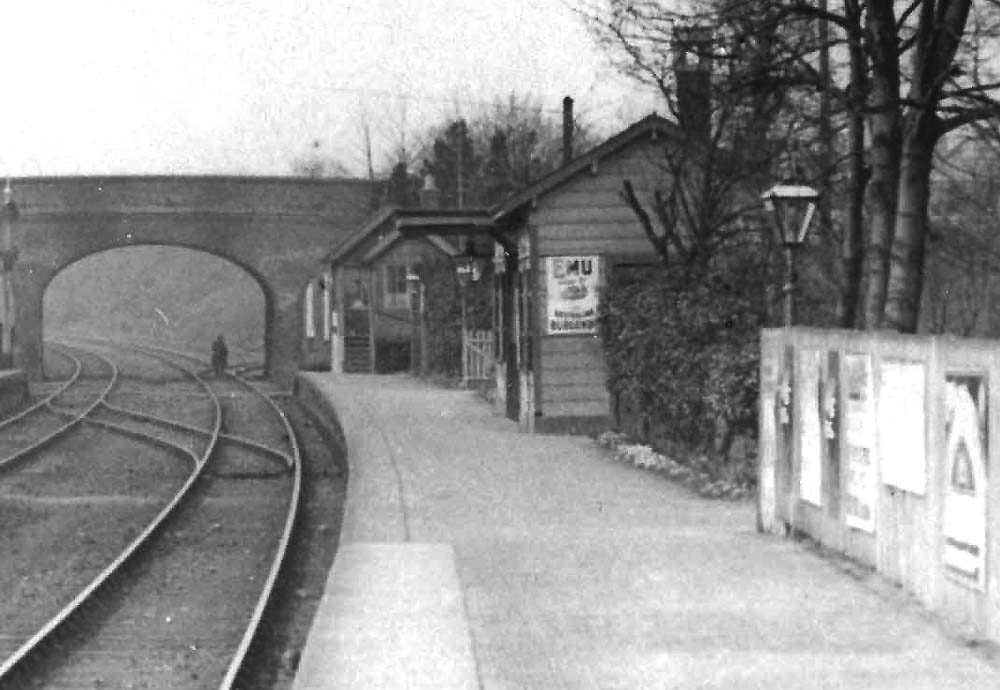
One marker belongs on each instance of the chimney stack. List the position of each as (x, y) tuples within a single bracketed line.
[(694, 80), (567, 131), (430, 196)]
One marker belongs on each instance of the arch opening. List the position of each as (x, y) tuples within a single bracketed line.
[(176, 296)]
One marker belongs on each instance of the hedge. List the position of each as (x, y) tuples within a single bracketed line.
[(682, 355)]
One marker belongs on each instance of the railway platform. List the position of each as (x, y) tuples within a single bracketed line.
[(475, 556)]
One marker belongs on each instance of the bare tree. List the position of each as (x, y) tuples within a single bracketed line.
[(963, 253), (915, 71), (713, 78)]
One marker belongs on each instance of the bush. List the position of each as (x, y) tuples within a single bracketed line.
[(682, 355)]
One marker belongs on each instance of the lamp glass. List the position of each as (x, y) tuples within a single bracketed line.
[(793, 207), (464, 268), (468, 267)]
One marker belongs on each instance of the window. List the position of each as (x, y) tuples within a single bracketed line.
[(309, 315), (327, 305), (395, 296)]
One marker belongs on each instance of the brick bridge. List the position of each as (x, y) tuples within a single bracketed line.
[(277, 229)]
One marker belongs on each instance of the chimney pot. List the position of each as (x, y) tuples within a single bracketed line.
[(430, 196), (694, 81), (567, 130)]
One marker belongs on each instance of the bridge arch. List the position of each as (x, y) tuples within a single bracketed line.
[(278, 230), (70, 290)]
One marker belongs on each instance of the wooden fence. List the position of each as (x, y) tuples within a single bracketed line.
[(477, 355)]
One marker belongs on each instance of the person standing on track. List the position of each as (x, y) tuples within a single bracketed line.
[(220, 355)]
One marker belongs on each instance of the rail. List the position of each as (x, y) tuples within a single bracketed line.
[(40, 405), (239, 657), (33, 644)]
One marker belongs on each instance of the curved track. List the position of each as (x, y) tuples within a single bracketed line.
[(98, 616), (281, 552), (46, 416)]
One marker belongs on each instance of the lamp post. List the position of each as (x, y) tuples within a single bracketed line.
[(418, 337), (792, 206), (8, 256)]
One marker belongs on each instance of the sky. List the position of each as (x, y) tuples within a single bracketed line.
[(249, 86)]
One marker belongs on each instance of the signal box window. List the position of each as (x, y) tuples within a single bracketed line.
[(395, 296)]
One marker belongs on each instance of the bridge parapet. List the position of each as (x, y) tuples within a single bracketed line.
[(323, 200)]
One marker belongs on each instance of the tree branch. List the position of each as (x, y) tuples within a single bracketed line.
[(665, 212), (905, 14), (971, 90), (968, 116), (659, 243), (814, 12)]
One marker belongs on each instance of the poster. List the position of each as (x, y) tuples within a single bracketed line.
[(810, 431), (965, 479), (861, 491), (783, 419), (829, 407), (783, 404), (902, 426), (571, 283)]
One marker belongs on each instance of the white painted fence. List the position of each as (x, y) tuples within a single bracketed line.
[(477, 355)]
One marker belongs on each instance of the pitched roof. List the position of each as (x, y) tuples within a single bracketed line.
[(652, 124), (440, 219), (426, 221), (387, 242), (419, 221), (361, 234)]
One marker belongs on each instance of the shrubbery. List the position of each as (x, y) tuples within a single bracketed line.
[(733, 480), (682, 357)]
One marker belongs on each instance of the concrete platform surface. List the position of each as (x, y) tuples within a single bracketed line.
[(403, 597), (525, 561)]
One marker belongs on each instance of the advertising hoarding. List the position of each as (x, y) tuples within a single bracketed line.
[(571, 294), (902, 425), (965, 479)]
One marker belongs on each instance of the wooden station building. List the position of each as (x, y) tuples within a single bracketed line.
[(554, 245), (569, 231), (375, 305)]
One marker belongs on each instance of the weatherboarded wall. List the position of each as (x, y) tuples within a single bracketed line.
[(587, 214), (884, 447), (585, 217)]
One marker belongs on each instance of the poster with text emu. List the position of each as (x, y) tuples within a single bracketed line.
[(571, 283)]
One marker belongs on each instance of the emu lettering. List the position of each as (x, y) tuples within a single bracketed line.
[(571, 293)]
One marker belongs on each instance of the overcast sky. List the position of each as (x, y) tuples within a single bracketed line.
[(246, 86)]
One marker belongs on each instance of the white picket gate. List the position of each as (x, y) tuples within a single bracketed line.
[(477, 355)]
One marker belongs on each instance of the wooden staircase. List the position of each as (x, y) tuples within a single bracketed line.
[(357, 355)]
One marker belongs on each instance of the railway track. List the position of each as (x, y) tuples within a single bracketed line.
[(180, 605), (27, 432)]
